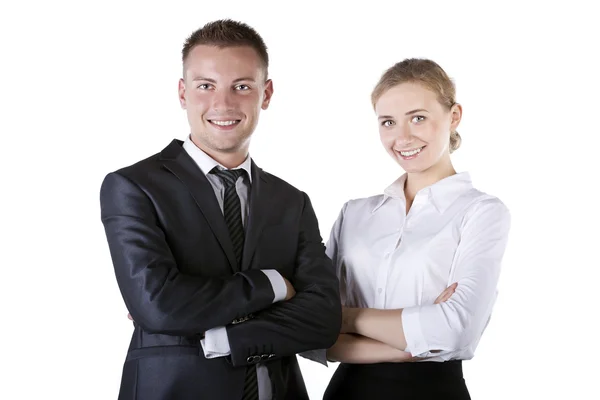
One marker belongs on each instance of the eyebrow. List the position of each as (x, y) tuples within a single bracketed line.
[(416, 111), (246, 79), (408, 113), (200, 78)]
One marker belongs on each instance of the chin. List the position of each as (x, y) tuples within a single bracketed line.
[(227, 147), (411, 167), (413, 170), (234, 143)]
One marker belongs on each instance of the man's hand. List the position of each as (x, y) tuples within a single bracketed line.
[(291, 292), (446, 294)]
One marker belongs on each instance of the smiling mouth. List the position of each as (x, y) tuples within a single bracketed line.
[(225, 123), (411, 153)]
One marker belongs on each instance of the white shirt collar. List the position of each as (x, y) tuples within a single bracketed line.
[(442, 193), (206, 163)]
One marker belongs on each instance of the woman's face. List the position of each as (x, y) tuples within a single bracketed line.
[(415, 127)]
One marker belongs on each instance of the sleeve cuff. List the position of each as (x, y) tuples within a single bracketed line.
[(413, 332), (277, 283), (216, 343)]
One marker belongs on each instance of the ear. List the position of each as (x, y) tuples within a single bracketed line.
[(455, 116), (181, 90), (267, 94)]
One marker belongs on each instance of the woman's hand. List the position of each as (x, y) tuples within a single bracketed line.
[(446, 294)]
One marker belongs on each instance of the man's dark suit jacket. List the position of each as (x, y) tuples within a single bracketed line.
[(177, 272)]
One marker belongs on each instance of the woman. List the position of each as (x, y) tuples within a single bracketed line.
[(431, 232)]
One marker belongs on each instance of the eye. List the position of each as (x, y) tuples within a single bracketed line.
[(388, 123), (203, 86), (242, 87), (418, 118)]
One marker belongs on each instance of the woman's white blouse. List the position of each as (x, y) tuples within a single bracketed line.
[(386, 259)]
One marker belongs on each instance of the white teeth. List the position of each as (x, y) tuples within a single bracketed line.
[(224, 123), (410, 153)]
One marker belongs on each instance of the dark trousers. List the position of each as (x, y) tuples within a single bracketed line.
[(402, 381)]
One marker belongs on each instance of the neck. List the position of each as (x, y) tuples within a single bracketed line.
[(228, 159), (416, 181)]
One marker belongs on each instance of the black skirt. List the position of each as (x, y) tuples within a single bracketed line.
[(402, 381)]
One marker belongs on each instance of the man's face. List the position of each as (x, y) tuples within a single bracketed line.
[(223, 91)]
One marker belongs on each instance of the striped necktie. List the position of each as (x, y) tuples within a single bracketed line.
[(232, 211)]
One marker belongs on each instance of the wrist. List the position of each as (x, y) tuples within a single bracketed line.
[(355, 320), (362, 319)]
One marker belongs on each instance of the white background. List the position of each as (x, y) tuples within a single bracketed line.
[(87, 88)]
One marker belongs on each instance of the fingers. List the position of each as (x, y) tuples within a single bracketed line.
[(130, 317), (449, 292), (291, 292), (446, 294)]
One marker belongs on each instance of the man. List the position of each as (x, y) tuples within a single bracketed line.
[(221, 265)]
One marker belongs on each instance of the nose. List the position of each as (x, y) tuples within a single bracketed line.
[(223, 101), (402, 136)]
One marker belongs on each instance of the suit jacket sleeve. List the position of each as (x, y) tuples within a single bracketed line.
[(310, 320), (159, 297)]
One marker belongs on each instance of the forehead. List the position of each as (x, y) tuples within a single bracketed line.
[(406, 97), (223, 63)]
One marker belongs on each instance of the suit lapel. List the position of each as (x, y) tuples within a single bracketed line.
[(179, 163), (260, 202)]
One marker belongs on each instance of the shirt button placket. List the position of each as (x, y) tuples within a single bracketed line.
[(382, 280)]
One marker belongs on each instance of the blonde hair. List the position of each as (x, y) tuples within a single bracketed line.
[(429, 74)]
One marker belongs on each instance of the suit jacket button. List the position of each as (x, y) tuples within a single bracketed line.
[(250, 359), (265, 356)]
